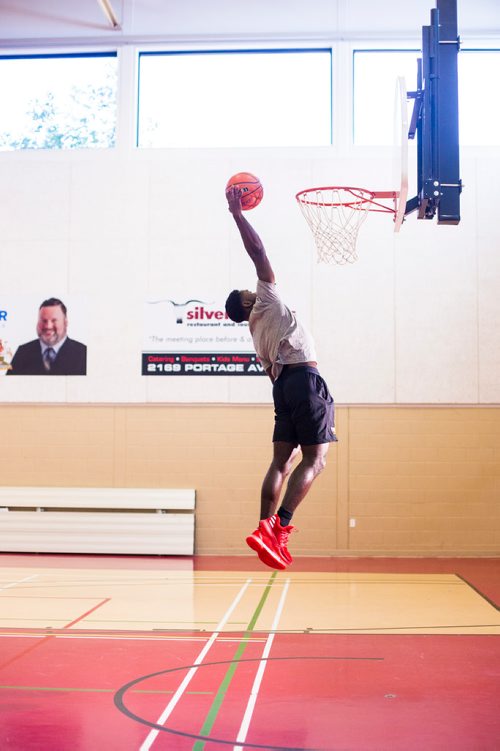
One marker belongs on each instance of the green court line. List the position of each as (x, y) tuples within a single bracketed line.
[(221, 693)]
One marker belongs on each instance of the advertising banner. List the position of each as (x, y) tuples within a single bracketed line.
[(195, 337)]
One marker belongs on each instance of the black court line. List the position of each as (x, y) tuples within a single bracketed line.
[(374, 630), (119, 700)]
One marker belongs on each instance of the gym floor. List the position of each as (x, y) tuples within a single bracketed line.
[(333, 654)]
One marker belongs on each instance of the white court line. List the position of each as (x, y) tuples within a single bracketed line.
[(178, 694), (20, 581), (247, 717)]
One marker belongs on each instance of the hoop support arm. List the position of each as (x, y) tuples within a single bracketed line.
[(388, 194)]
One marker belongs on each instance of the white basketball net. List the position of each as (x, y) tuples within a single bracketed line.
[(335, 216)]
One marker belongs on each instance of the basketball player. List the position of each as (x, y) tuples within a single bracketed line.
[(303, 406)]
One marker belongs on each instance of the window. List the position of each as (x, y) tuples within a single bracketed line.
[(478, 103), (58, 101), (375, 72), (235, 98)]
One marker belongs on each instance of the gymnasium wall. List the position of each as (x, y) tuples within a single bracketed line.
[(415, 320), (413, 480), (407, 339)]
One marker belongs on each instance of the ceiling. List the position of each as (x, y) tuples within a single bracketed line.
[(42, 23)]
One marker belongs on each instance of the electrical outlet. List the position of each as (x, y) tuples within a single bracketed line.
[(352, 523)]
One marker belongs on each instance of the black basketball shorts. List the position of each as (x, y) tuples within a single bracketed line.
[(303, 408)]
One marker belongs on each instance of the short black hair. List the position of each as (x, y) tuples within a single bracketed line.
[(53, 302), (234, 307)]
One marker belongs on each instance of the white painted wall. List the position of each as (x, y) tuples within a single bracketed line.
[(415, 320)]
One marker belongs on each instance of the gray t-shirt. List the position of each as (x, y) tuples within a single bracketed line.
[(279, 339)]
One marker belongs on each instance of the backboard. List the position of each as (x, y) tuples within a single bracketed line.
[(435, 119), (335, 213), (400, 162)]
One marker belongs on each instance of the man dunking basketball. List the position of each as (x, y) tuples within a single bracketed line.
[(303, 406)]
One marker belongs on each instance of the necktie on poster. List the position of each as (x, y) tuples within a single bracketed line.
[(48, 358)]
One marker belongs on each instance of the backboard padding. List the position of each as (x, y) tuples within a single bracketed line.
[(436, 119)]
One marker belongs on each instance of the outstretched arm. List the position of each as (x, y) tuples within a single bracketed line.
[(251, 240)]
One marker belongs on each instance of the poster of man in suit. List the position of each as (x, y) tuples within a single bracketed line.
[(53, 352)]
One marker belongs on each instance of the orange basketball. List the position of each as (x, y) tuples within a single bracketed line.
[(251, 189)]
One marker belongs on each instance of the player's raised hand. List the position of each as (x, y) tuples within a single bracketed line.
[(233, 195)]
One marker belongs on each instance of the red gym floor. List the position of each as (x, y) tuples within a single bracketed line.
[(122, 653)]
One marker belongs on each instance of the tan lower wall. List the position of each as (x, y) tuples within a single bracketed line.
[(413, 480)]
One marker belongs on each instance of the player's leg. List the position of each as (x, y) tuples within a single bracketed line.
[(311, 410), (264, 540), (313, 462), (313, 417), (284, 455), (303, 414)]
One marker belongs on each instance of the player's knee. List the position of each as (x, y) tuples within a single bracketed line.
[(283, 466), (283, 461), (320, 464), (317, 462)]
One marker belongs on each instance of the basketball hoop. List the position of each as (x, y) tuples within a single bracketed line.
[(335, 215)]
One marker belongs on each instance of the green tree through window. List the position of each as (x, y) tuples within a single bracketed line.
[(66, 112)]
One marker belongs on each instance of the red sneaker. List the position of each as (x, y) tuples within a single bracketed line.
[(265, 544), (269, 542), (273, 525)]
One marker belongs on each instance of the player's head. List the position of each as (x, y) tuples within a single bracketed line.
[(239, 304), (52, 324)]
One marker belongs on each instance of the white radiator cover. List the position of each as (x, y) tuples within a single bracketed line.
[(141, 521)]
